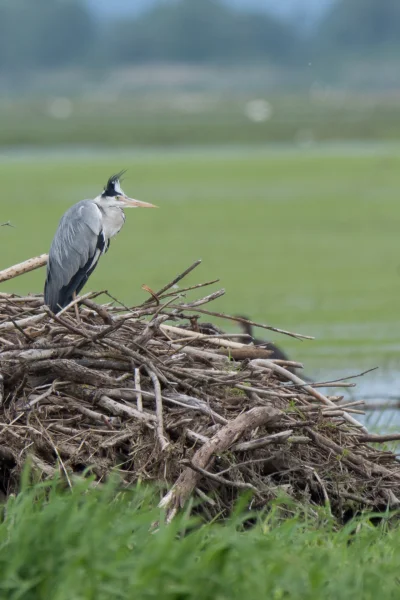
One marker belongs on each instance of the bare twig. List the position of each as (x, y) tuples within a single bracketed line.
[(159, 410), (275, 438), (379, 439), (240, 320), (116, 408), (28, 265), (308, 388), (138, 390), (174, 281), (219, 479)]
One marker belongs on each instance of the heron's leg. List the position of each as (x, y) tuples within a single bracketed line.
[(78, 318)]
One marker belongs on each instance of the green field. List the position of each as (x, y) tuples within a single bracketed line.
[(198, 113), (306, 240), (88, 546)]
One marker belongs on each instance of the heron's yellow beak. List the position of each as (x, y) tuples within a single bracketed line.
[(131, 203)]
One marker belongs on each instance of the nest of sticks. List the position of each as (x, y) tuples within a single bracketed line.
[(157, 394)]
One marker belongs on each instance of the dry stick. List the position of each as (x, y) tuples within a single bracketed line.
[(95, 416), (327, 411), (6, 342), (42, 466), (284, 363), (136, 356), (22, 322), (352, 460), (66, 324), (249, 352), (36, 354), (195, 404), (390, 437), (196, 437), (26, 336), (119, 409), (50, 439), (129, 394), (150, 329), (173, 282), (20, 299), (205, 498), (107, 330), (1, 389), (213, 336), (101, 311), (324, 492), (334, 385), (115, 440), (202, 301), (195, 352), (188, 289), (240, 320), (215, 341), (306, 387), (332, 381), (159, 409), (219, 479), (72, 371), (221, 441), (139, 390), (28, 265), (75, 301), (265, 392), (348, 404), (67, 430), (41, 397), (275, 438)]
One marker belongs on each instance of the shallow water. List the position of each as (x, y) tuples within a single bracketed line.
[(380, 386)]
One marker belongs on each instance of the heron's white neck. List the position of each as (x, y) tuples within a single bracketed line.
[(113, 219)]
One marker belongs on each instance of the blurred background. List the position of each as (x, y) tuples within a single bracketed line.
[(267, 133)]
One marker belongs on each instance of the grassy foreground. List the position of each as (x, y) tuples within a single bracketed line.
[(304, 240), (90, 545)]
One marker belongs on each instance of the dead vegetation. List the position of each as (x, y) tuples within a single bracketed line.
[(156, 394)]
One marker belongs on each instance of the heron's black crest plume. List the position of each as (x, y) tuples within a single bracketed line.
[(110, 190)]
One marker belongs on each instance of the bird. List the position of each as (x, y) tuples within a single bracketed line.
[(277, 353), (83, 235)]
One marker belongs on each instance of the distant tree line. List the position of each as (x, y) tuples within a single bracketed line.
[(64, 33)]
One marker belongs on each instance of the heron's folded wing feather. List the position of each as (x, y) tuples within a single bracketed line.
[(75, 241)]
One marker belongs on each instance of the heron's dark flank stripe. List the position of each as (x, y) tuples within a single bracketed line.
[(80, 278)]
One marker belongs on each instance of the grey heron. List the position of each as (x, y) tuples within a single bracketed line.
[(276, 352), (82, 236)]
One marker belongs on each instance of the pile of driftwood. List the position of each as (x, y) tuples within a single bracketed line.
[(156, 394)]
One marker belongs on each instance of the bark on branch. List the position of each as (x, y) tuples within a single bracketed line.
[(24, 267), (224, 439)]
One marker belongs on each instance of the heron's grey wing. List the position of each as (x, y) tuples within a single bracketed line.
[(77, 244)]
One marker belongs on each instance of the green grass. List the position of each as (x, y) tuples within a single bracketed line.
[(303, 240), (198, 114), (90, 545)]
